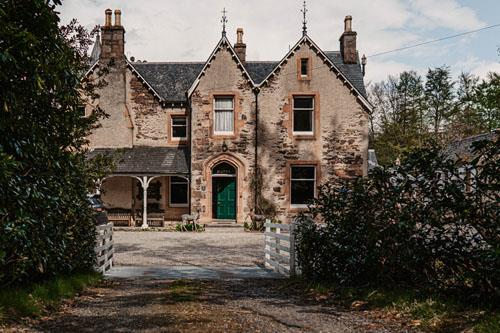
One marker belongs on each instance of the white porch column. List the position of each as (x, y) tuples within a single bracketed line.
[(145, 184)]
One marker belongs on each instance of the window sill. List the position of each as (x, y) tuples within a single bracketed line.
[(304, 135), (178, 205)]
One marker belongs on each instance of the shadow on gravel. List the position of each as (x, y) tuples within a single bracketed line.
[(204, 306)]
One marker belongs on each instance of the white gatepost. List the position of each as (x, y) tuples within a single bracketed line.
[(292, 250), (266, 244)]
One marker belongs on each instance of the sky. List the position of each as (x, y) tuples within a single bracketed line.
[(188, 30)]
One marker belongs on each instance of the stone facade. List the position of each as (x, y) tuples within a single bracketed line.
[(142, 99), (223, 78)]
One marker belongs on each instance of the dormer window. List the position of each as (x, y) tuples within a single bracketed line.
[(304, 67)]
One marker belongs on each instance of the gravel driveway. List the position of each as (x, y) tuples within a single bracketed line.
[(205, 306), (215, 248)]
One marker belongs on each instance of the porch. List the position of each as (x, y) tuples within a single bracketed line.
[(149, 187)]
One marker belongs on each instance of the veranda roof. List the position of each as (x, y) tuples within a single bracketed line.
[(147, 160)]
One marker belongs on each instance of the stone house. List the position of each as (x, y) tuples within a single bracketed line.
[(228, 137)]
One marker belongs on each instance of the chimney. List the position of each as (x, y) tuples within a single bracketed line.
[(112, 37), (239, 47), (348, 43)]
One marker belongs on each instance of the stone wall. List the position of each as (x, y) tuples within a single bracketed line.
[(151, 120), (223, 78), (116, 130), (339, 149)]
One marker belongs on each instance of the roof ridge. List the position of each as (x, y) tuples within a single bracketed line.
[(169, 62)]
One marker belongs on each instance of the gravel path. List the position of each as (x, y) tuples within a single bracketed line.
[(157, 301), (217, 248), (204, 306)]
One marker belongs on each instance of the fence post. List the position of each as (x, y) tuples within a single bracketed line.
[(267, 247), (292, 250)]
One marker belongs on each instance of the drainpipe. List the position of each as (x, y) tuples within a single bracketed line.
[(256, 92), (190, 134)]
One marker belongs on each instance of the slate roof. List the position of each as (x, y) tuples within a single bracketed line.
[(148, 160), (352, 72), (259, 70), (171, 80), (462, 149)]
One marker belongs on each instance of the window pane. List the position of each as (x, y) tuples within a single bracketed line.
[(179, 121), (303, 172), (302, 121), (178, 193), (223, 121), (224, 103), (179, 131), (302, 192), (302, 102), (178, 180), (304, 66)]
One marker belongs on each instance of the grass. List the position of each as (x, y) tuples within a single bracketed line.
[(430, 312), (37, 299), (183, 291)]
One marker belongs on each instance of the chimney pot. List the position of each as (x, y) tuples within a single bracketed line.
[(107, 21), (348, 23), (239, 47), (239, 35), (118, 17)]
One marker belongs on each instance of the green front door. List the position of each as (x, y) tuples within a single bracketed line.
[(224, 198)]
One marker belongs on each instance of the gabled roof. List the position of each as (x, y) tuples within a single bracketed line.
[(223, 42), (141, 160), (171, 81), (333, 62), (463, 149)]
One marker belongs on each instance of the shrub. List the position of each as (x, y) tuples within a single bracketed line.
[(422, 223), (46, 224)]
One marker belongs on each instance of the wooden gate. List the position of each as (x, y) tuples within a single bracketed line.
[(104, 247), (279, 248)]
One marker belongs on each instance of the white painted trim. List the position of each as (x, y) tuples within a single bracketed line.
[(222, 41)]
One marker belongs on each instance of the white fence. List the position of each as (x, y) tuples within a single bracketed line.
[(104, 247), (279, 248)]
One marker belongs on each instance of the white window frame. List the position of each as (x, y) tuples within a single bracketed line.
[(301, 179), (214, 115), (312, 110), (170, 182), (177, 138)]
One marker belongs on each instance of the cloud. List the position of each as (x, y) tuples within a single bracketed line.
[(188, 30), (476, 66), (445, 13)]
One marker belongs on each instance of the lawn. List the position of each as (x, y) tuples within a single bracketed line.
[(37, 299)]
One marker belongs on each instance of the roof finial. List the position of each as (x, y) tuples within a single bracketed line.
[(304, 21), (224, 21)]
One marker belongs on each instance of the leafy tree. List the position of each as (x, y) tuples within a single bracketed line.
[(46, 225), (466, 120), (488, 97), (439, 97), (398, 112)]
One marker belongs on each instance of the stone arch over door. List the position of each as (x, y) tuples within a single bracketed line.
[(241, 184)]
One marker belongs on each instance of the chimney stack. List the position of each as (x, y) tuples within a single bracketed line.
[(239, 47), (113, 37), (348, 42)]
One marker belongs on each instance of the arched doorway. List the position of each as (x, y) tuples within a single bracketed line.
[(224, 191)]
